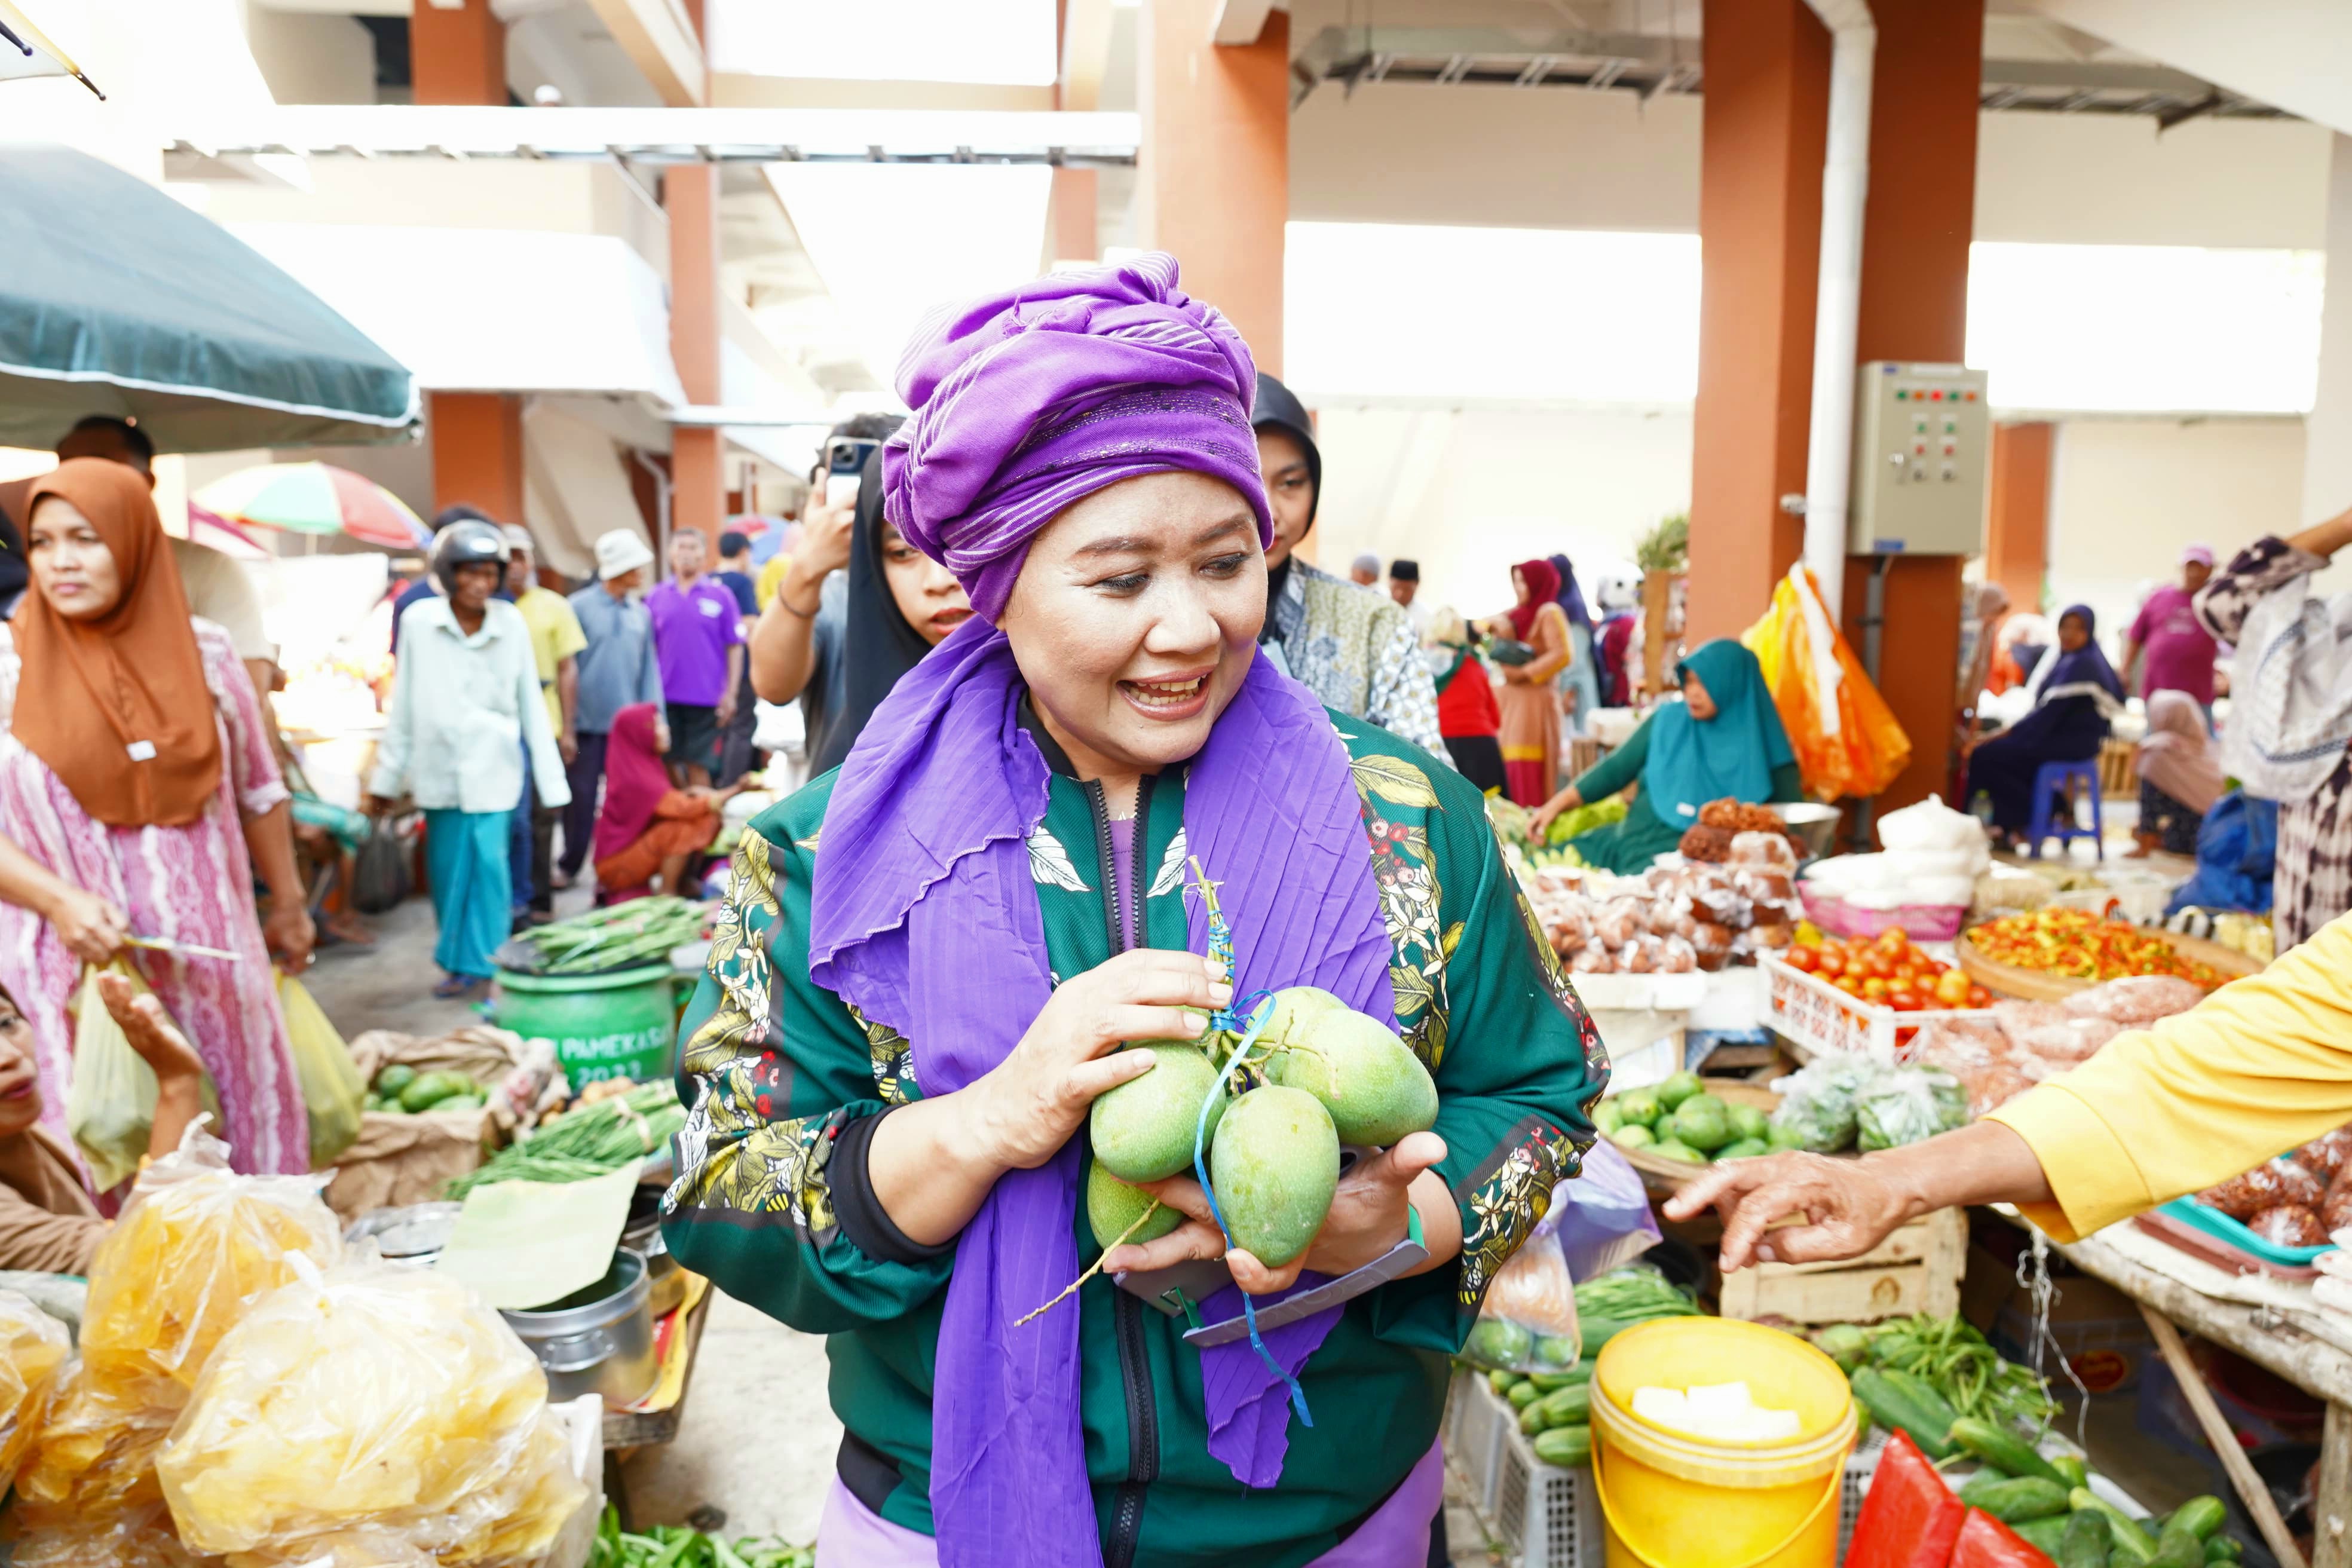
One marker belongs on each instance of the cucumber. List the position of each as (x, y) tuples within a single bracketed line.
[(2201, 1516), (2179, 1547), (2128, 1539), (2222, 1549), (1553, 1382), (1523, 1394), (1531, 1420), (1570, 1407), (2042, 1534), (1901, 1402), (1566, 1447), (2072, 1470), (1501, 1381), (2014, 1501), (2084, 1543), (2004, 1450)]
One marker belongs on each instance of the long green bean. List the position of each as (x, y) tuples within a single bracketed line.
[(583, 1144)]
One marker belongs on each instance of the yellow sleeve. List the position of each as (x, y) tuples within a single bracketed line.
[(2261, 1066), (771, 577)]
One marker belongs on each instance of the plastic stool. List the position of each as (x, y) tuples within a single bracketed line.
[(2058, 779)]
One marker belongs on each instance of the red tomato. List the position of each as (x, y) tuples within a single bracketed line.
[(1848, 983), (1905, 1000), (1805, 958), (1878, 966), (1979, 997), (1952, 988), (1875, 989), (1895, 939), (1831, 962)]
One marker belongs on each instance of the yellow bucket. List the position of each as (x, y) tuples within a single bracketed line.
[(1672, 1501)]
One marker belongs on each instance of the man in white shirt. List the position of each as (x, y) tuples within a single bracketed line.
[(466, 705)]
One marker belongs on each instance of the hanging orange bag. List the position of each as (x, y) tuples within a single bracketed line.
[(1845, 737)]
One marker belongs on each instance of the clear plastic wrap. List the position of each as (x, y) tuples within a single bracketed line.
[(1908, 1106), (2328, 1154), (1818, 1109), (371, 1404), (140, 1538), (2289, 1225), (1528, 1322), (34, 1346), (2136, 999)]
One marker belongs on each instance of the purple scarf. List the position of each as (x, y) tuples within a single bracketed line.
[(923, 913)]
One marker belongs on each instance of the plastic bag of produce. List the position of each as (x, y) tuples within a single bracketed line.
[(111, 1103), (1603, 1218), (1818, 1106), (380, 871), (1528, 1321), (1845, 737), (2136, 999), (378, 1401), (1908, 1106), (140, 1538), (94, 1456), (331, 1087), (33, 1348)]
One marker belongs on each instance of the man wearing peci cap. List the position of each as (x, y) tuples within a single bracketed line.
[(1404, 583), (2178, 650), (618, 668)]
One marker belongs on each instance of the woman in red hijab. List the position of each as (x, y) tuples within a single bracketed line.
[(1530, 731), (647, 828)]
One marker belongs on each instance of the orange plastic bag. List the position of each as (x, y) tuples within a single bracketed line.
[(1845, 737)]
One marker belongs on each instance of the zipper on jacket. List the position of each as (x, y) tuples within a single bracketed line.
[(1127, 1312)]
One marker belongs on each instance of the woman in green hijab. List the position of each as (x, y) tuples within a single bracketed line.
[(1723, 739)]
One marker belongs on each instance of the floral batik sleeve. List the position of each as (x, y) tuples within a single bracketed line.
[(1483, 1001), (784, 1085)]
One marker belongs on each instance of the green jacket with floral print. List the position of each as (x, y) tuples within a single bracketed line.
[(784, 1084)]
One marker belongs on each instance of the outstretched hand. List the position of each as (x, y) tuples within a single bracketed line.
[(1844, 1207), (145, 1023), (1367, 1218)]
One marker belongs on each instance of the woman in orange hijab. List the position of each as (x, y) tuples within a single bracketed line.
[(138, 795)]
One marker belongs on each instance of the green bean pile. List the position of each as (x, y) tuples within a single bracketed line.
[(1961, 1366), (590, 1142), (642, 931)]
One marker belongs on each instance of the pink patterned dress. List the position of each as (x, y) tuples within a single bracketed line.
[(191, 883)]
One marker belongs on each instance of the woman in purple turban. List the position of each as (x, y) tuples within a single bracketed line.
[(929, 958)]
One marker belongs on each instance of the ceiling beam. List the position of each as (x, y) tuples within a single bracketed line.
[(662, 44), (664, 135), (1240, 21)]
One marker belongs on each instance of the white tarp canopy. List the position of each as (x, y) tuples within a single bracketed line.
[(473, 310), (574, 489)]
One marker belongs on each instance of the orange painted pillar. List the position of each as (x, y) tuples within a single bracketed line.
[(1215, 184), (2016, 527), (698, 464), (478, 456), (1767, 65), (457, 56), (1070, 217), (1914, 306)]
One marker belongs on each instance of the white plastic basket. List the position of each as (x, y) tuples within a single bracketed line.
[(1547, 1516), (1818, 1016)]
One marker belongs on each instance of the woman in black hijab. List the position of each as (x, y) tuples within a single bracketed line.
[(841, 646)]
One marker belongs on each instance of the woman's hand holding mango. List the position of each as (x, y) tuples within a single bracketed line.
[(1026, 1106)]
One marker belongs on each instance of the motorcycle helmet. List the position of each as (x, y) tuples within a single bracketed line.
[(466, 543)]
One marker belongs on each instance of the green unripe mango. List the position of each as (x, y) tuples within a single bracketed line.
[(1748, 1123), (1632, 1135), (1744, 1149), (1702, 1121), (1679, 1087), (1374, 1086), (1607, 1117), (1143, 1130), (1641, 1107), (1112, 1205), (1675, 1149), (1276, 1167), (1296, 1010)]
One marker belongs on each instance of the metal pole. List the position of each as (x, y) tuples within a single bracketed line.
[(1873, 621)]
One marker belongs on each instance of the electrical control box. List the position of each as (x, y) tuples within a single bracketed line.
[(1922, 447)]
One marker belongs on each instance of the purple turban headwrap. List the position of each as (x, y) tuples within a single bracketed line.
[(1011, 425), (923, 913)]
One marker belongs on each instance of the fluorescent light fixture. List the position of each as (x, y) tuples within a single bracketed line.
[(1000, 41), (1532, 315), (893, 241), (2146, 328)]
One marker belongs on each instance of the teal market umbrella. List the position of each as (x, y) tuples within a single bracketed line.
[(115, 299)]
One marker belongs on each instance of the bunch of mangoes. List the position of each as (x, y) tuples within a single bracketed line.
[(1680, 1120), (1319, 1075)]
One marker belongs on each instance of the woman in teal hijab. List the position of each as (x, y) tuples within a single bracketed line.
[(1723, 739)]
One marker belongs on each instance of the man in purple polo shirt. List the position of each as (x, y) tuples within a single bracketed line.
[(699, 644), (2177, 649)]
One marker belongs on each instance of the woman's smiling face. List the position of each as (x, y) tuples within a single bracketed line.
[(1136, 616)]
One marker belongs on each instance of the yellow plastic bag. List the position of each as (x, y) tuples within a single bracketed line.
[(1846, 739), (111, 1103), (33, 1346), (140, 1538), (332, 1089), (371, 1402)]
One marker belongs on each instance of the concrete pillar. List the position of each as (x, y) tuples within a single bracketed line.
[(1914, 306), (1214, 188), (478, 456), (2017, 526), (1768, 66), (2327, 434), (1070, 217), (698, 468), (457, 56)]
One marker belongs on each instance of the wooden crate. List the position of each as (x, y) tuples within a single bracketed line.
[(1916, 1269)]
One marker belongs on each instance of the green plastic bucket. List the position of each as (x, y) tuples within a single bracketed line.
[(619, 1025)]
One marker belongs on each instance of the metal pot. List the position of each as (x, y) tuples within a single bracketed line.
[(411, 1236), (598, 1341), (643, 1236), (1815, 826)]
